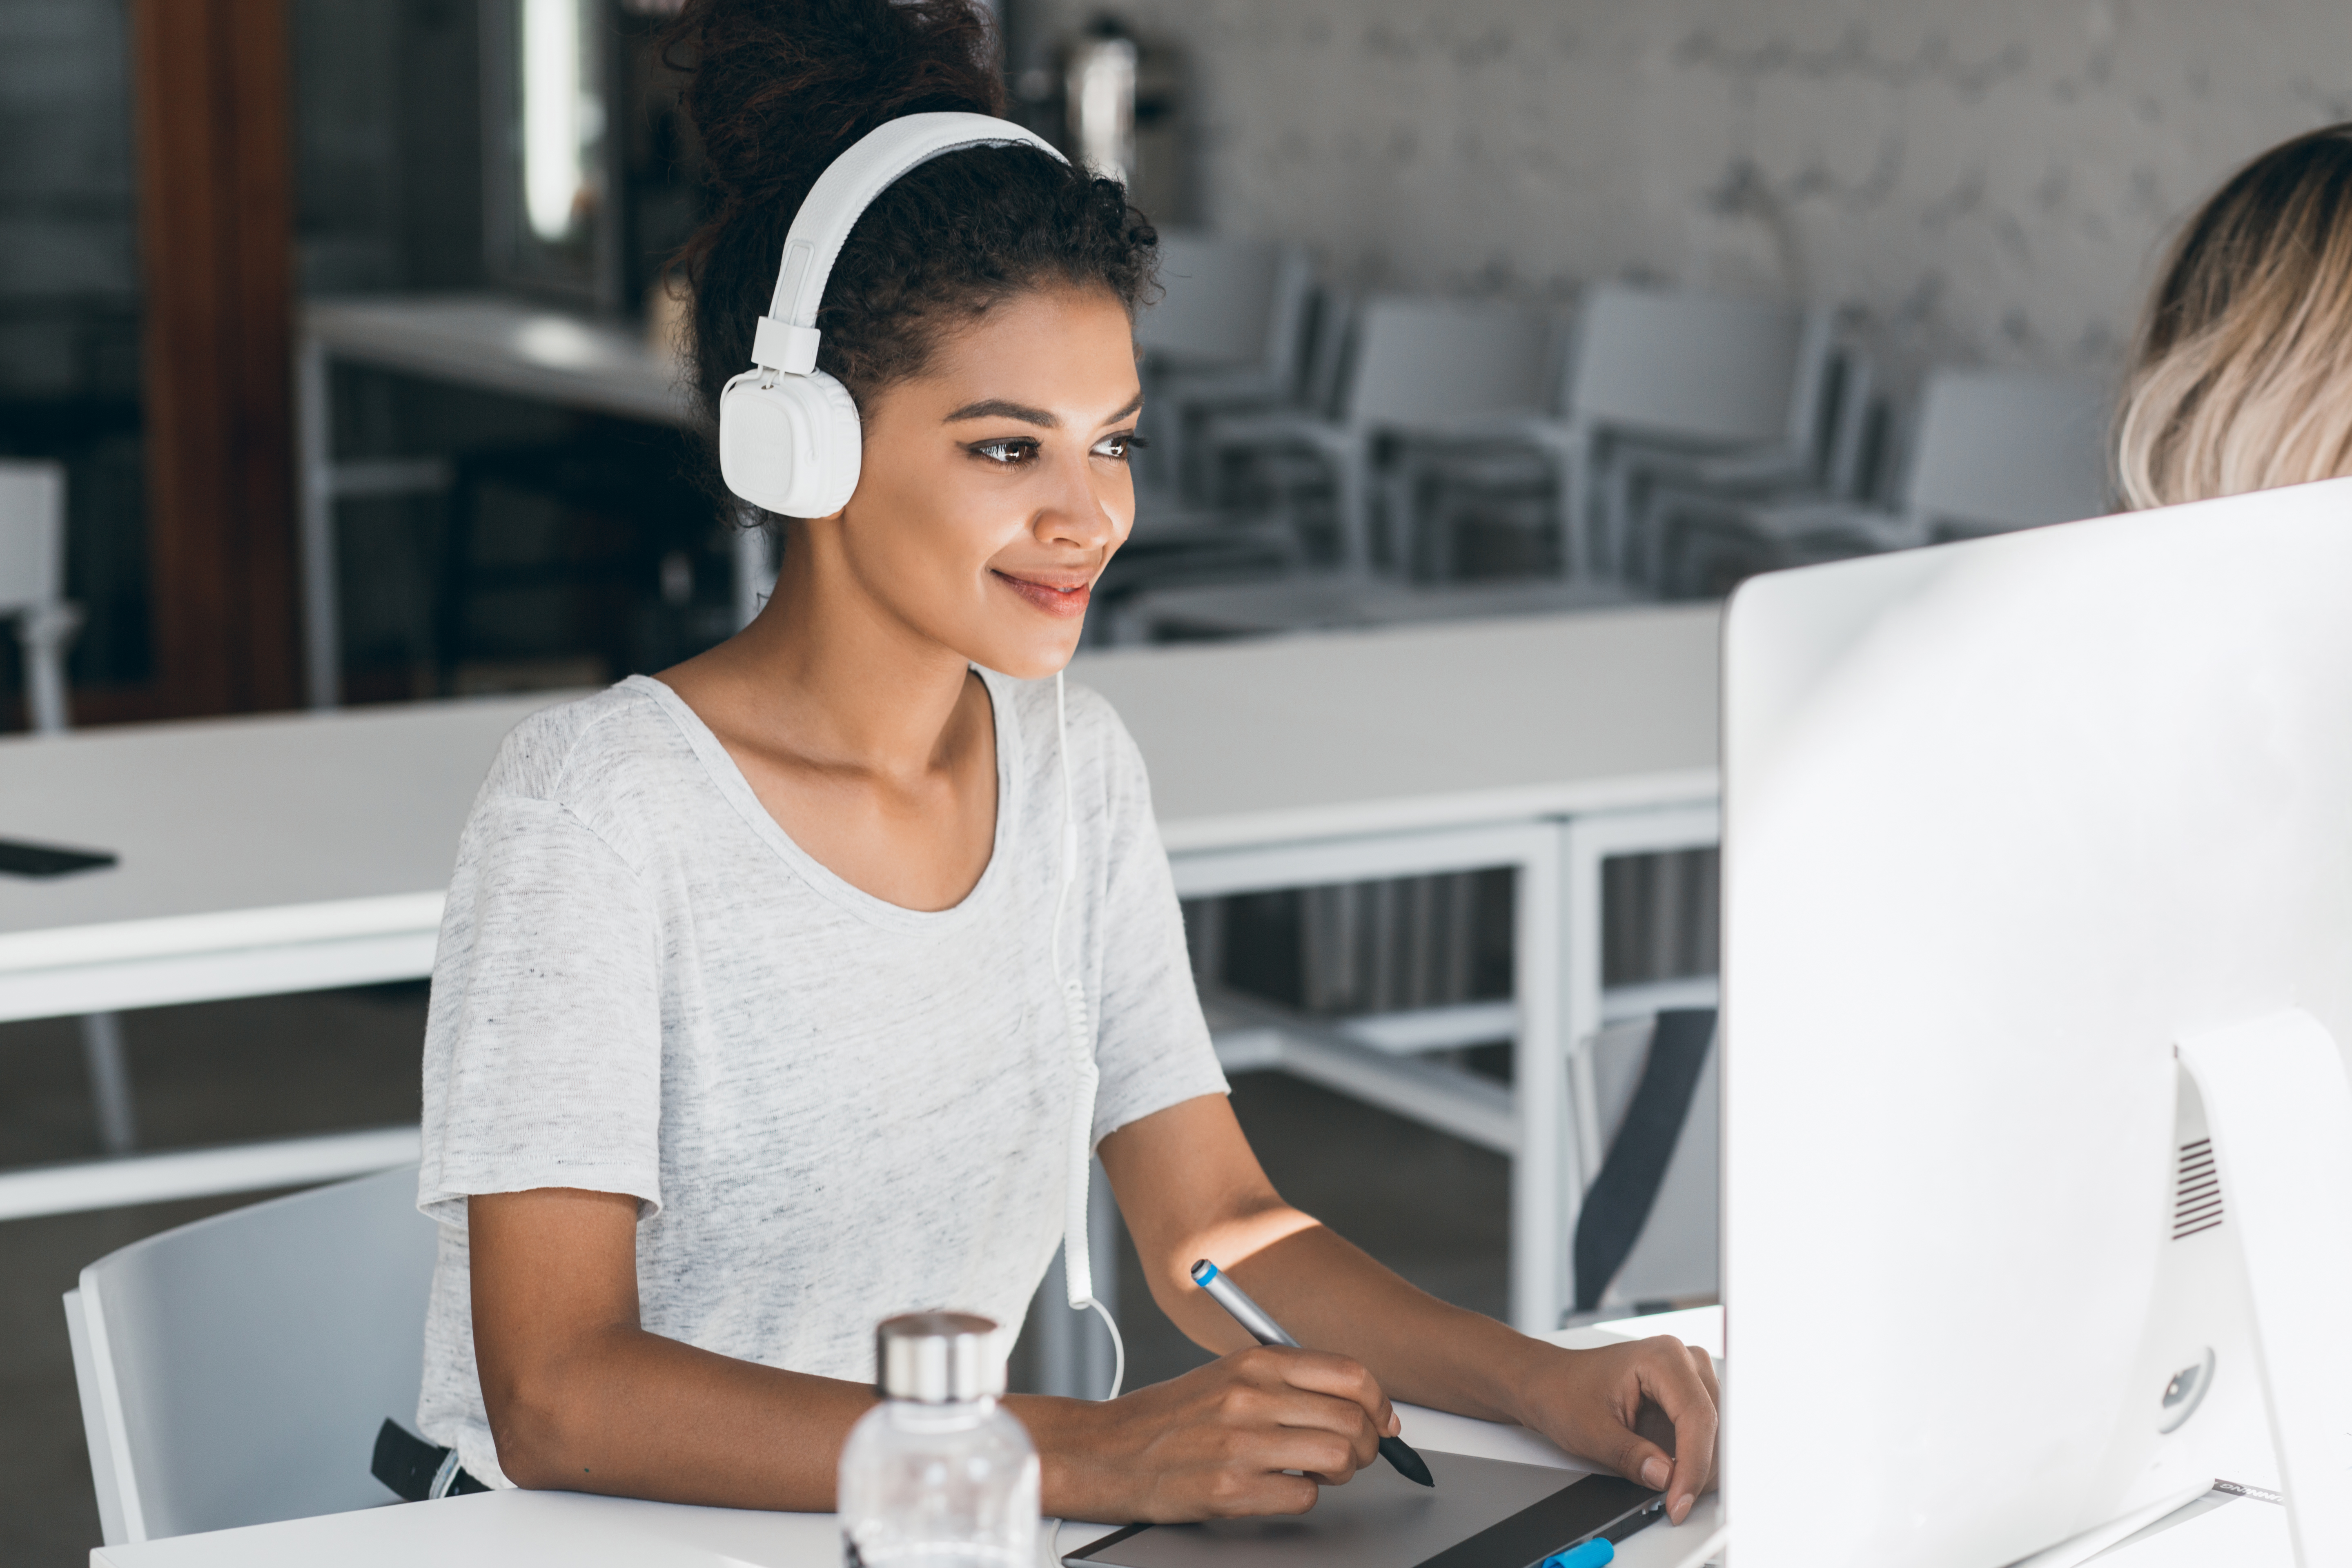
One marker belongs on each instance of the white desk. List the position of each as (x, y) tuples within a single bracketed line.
[(294, 852), (258, 856), (571, 1529), (497, 343)]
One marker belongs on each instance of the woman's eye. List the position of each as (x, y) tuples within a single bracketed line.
[(1121, 445), (1007, 453)]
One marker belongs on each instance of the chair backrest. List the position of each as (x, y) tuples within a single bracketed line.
[(1330, 343), (1228, 302), (32, 535), (1842, 446), (235, 1371), (1424, 364), (1996, 449), (1705, 368)]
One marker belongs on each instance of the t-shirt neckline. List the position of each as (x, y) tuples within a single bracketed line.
[(727, 778)]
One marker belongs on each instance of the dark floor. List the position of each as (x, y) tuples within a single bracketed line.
[(1434, 1209)]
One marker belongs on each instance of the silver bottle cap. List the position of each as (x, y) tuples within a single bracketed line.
[(935, 1357)]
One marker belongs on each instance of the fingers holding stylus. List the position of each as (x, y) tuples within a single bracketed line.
[(1217, 1442), (1305, 1402)]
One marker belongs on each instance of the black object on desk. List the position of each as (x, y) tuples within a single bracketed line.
[(1483, 1513), (19, 859)]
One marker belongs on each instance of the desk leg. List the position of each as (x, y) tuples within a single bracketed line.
[(1543, 1189), (1585, 843), (314, 436)]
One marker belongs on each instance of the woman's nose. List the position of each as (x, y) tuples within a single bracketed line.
[(1087, 510)]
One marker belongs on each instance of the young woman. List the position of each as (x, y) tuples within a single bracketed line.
[(745, 1032), (2242, 379)]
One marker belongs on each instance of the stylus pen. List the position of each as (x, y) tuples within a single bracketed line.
[(1254, 1319)]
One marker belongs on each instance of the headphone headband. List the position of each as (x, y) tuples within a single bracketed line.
[(786, 337)]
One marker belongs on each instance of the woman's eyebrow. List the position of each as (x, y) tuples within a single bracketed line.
[(1003, 409), (999, 408)]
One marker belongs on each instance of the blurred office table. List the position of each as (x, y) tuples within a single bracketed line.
[(302, 852), (573, 1529), (497, 343)]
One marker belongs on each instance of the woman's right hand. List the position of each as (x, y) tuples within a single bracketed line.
[(1216, 1443)]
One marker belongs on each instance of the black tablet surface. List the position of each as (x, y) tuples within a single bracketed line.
[(1483, 1513)]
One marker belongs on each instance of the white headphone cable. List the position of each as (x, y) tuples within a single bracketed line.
[(1077, 1260)]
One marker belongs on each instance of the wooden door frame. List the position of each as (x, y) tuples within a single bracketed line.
[(213, 106)]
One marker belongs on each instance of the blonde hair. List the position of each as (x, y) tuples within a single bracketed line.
[(2241, 376)]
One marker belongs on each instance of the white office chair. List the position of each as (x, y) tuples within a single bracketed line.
[(1990, 452), (1421, 369), (236, 1371), (33, 593), (1851, 468), (1648, 1227), (1227, 333), (33, 584), (1662, 385)]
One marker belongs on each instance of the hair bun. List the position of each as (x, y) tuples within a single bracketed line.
[(780, 88)]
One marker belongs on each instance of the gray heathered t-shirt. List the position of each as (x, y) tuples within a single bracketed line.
[(829, 1109)]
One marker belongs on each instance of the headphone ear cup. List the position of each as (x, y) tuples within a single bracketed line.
[(794, 447)]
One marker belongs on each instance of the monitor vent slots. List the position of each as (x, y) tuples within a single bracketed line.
[(2197, 1191)]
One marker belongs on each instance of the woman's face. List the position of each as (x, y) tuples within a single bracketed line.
[(995, 486)]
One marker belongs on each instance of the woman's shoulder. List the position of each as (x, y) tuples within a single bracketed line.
[(581, 753)]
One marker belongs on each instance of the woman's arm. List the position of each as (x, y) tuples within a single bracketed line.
[(1191, 1188), (582, 1398)]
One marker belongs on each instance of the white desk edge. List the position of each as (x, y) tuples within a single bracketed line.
[(565, 1527)]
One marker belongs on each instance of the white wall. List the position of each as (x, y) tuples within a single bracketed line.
[(1988, 178)]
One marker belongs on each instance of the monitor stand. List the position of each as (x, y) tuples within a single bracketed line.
[(2279, 1110)]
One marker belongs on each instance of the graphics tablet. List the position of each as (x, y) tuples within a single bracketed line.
[(1483, 1513)]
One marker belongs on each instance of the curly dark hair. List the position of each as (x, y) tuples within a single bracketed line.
[(780, 88)]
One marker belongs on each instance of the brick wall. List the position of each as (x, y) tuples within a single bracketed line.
[(1987, 177)]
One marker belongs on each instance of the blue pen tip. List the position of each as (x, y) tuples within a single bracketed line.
[(1592, 1554), (1203, 1271)]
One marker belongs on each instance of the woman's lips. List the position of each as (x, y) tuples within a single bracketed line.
[(1046, 596)]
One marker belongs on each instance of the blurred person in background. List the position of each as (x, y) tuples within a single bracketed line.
[(2241, 375)]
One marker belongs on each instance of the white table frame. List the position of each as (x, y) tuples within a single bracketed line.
[(1552, 1134), (522, 350)]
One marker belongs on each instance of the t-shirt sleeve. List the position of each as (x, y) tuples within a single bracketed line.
[(542, 1048), (1152, 1044)]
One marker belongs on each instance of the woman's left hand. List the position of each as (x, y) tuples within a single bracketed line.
[(1589, 1401)]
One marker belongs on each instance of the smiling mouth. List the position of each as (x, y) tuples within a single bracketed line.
[(1053, 600)]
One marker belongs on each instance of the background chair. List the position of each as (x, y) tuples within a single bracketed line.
[(1990, 452), (33, 584), (1647, 1228), (1419, 369), (236, 1371), (1227, 333), (1660, 386), (33, 593)]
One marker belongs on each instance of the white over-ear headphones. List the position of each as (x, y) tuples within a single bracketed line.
[(789, 438), (789, 441)]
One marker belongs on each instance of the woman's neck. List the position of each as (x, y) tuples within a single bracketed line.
[(828, 677), (873, 746)]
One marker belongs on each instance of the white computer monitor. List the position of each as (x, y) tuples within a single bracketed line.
[(2038, 853)]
